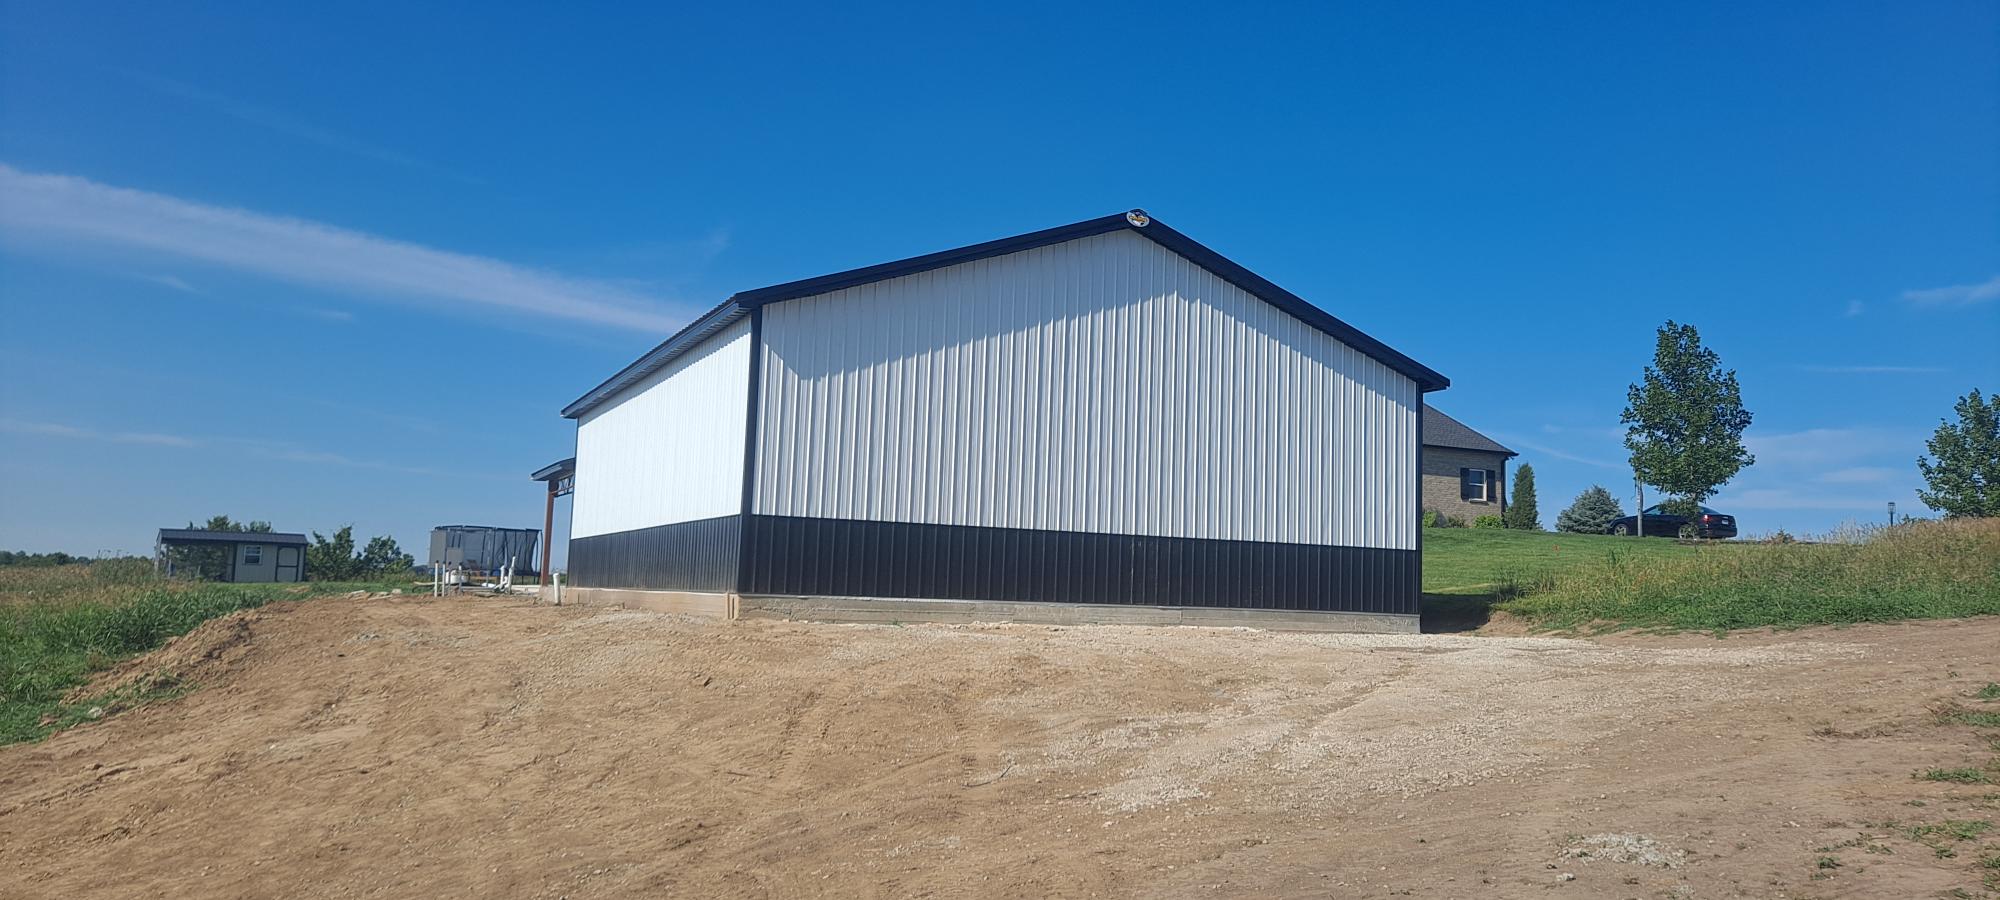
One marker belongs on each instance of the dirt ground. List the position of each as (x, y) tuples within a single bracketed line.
[(411, 747)]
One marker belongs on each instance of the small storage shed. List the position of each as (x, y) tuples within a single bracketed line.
[(1104, 421), (484, 548), (246, 555)]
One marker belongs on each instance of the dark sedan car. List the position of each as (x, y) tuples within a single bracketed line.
[(1711, 524)]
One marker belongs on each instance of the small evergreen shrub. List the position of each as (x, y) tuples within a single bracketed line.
[(1522, 513), (1488, 522), (1590, 513)]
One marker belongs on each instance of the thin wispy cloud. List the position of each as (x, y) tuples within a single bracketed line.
[(1872, 370), (1956, 295), (277, 450), (290, 125), (317, 312), (1593, 432), (1826, 447), (1862, 475), (327, 458), (76, 213), (71, 432), (1855, 308), (1765, 499), (173, 282), (1553, 452), (1856, 469)]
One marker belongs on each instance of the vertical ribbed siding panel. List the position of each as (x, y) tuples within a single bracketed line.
[(1100, 385), (858, 558), (684, 556), (670, 448)]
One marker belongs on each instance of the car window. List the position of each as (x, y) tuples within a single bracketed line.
[(1652, 510)]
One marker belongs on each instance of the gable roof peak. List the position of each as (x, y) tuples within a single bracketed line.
[(1135, 220)]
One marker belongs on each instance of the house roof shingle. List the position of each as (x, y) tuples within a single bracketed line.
[(1441, 430)]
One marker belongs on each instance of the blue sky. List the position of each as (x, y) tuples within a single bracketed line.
[(343, 263)]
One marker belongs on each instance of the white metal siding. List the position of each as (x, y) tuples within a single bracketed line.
[(669, 449), (1104, 384)]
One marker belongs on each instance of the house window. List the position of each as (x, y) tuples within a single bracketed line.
[(253, 555), (1473, 486)]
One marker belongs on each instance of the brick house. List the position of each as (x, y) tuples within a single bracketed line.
[(1464, 472)]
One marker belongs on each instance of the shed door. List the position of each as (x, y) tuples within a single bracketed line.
[(288, 564)]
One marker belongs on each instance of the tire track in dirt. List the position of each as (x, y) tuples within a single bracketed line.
[(497, 749)]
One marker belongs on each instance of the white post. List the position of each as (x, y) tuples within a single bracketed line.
[(1641, 531), (555, 580)]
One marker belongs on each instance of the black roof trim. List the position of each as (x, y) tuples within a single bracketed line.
[(204, 536), (1157, 231), (657, 358), (1441, 430), (554, 470), (793, 290), (1427, 379)]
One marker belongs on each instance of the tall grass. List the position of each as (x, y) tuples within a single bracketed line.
[(58, 625), (1924, 570)]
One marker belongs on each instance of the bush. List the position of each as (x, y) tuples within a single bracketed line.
[(1590, 513), (1436, 519), (1488, 522)]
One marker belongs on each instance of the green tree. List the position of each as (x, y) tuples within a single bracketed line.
[(39, 560), (383, 558), (1965, 479), (210, 561), (1685, 419), (333, 560), (1591, 512), (1522, 513)]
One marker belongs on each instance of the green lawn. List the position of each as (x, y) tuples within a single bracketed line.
[(1482, 560)]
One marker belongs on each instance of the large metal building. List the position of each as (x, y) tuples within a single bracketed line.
[(1105, 421)]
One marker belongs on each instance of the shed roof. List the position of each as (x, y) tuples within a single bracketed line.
[(204, 536), (556, 470), (740, 305), (1441, 430)]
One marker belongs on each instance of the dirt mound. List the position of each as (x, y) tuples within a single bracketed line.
[(412, 747), (180, 660)]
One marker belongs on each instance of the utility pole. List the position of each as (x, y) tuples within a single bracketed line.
[(1641, 531)]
